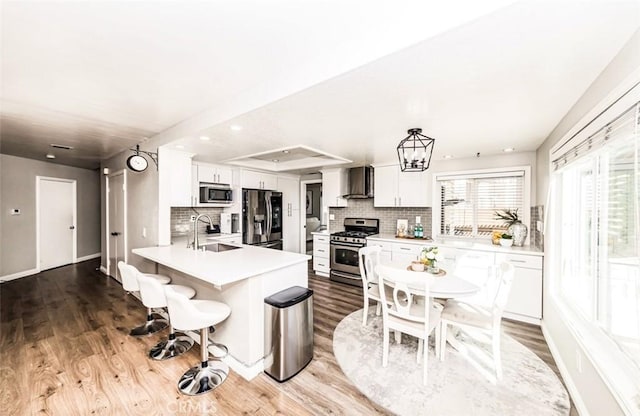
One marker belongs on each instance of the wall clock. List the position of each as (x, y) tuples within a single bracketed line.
[(137, 163)]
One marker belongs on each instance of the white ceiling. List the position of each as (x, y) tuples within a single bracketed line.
[(102, 76)]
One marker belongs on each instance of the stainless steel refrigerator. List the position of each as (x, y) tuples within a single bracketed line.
[(262, 218)]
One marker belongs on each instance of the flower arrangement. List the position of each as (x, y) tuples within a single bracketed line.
[(430, 257)]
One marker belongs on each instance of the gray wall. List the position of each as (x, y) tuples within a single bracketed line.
[(18, 190), (142, 209), (593, 390)]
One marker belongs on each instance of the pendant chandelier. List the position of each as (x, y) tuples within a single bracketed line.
[(414, 151)]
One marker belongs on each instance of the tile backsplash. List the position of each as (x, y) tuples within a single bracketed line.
[(363, 208), (181, 219), (536, 238)]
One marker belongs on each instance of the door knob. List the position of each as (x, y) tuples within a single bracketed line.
[(115, 234), (73, 227)]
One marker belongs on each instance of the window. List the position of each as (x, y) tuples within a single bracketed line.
[(468, 201), (596, 186)]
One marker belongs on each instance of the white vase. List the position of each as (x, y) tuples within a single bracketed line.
[(506, 242), (519, 232)]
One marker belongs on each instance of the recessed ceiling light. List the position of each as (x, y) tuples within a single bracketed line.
[(51, 156), (205, 138), (179, 146), (448, 156), (508, 150), (275, 160), (235, 127)]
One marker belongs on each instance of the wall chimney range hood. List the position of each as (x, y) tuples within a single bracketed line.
[(360, 183)]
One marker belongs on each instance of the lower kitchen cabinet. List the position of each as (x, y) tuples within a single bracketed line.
[(525, 299), (321, 265)]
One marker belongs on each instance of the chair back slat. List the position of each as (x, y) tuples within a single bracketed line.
[(369, 258), (406, 287)]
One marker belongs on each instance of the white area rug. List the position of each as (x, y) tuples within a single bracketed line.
[(463, 384)]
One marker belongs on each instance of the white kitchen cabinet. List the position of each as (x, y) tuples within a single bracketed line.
[(175, 177), (385, 253), (235, 238), (195, 186), (334, 186), (214, 174), (394, 188), (259, 180), (321, 254), (525, 298), (405, 252), (290, 188)]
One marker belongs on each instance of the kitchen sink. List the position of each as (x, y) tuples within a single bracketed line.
[(218, 247)]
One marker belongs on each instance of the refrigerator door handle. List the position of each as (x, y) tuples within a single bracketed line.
[(267, 197)]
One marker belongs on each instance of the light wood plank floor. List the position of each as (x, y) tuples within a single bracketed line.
[(65, 350)]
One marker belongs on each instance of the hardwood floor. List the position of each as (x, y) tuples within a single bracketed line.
[(65, 350)]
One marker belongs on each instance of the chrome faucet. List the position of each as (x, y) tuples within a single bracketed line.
[(195, 244)]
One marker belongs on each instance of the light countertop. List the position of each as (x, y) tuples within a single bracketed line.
[(471, 245), (222, 268), (323, 232)]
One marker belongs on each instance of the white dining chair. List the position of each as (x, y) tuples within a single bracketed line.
[(410, 311), (368, 259), (481, 314)]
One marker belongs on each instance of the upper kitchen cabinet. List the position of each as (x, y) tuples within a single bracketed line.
[(174, 177), (334, 186), (214, 174), (394, 188), (259, 180), (290, 188)]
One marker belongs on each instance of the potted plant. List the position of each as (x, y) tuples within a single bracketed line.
[(506, 240), (515, 228)]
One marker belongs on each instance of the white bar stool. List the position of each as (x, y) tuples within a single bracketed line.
[(130, 284), (152, 294), (191, 315)]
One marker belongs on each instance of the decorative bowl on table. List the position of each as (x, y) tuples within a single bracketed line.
[(417, 266)]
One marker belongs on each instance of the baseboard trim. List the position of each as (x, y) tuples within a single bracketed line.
[(89, 257), (521, 318), (566, 376), (104, 270), (18, 275)]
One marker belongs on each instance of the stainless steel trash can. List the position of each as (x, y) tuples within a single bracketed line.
[(288, 340)]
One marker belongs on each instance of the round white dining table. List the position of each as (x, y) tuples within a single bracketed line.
[(446, 287)]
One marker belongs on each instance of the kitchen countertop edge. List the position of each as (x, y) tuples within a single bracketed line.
[(481, 246)]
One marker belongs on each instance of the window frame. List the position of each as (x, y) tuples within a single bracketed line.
[(611, 364), (525, 215)]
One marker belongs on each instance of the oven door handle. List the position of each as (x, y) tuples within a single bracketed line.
[(342, 243)]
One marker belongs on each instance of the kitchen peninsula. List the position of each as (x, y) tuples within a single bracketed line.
[(241, 278)]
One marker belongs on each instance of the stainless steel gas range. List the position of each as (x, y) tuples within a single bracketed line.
[(345, 266)]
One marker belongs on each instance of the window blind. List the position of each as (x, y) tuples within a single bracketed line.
[(468, 203), (625, 125)]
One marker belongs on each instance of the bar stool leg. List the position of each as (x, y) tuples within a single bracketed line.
[(171, 347), (152, 325), (206, 376)]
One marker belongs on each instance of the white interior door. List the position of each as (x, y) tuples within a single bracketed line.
[(117, 214), (57, 222)]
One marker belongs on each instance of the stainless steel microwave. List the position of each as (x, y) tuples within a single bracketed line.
[(215, 193)]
